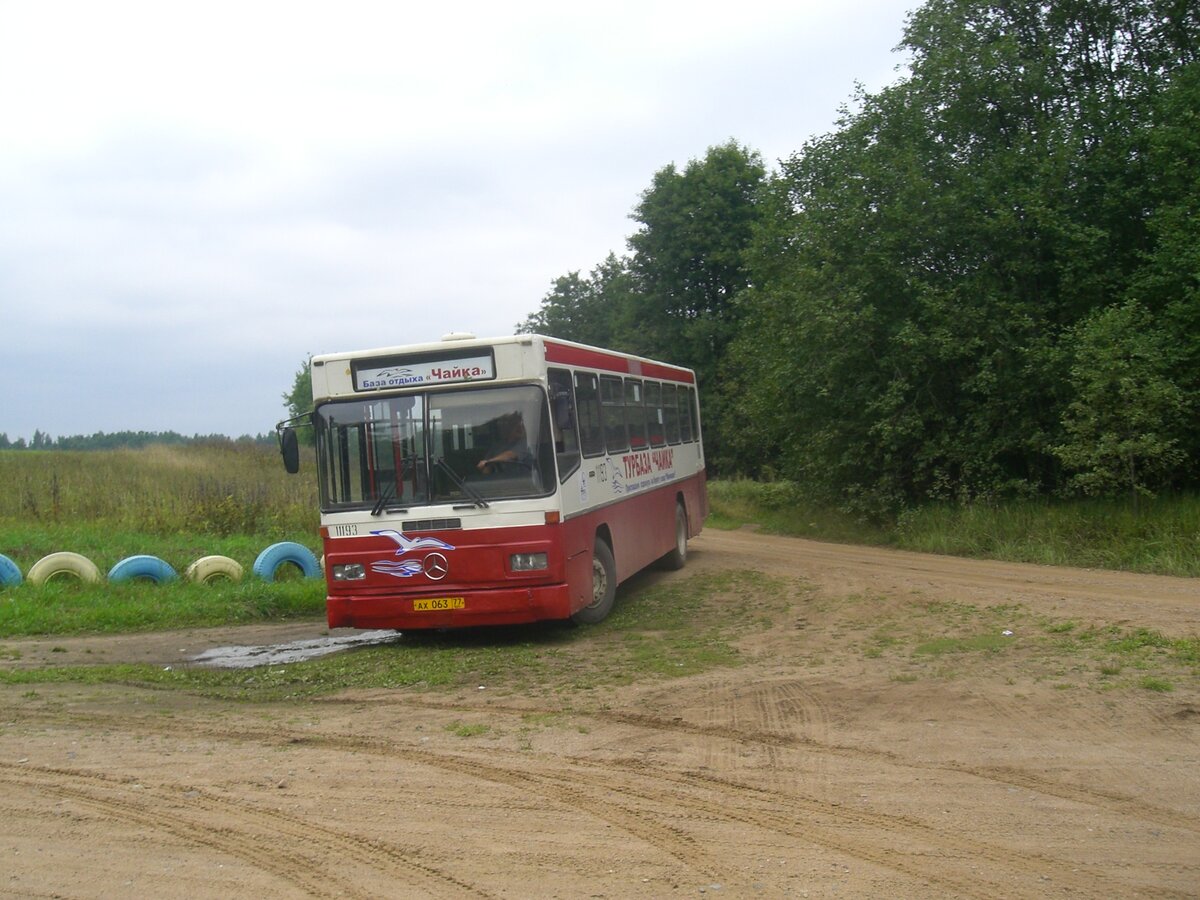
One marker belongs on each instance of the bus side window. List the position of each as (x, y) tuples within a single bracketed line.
[(562, 414), (685, 415), (694, 410), (635, 414), (612, 400), (654, 416), (670, 406), (587, 408)]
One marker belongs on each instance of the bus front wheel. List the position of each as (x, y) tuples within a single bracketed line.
[(604, 586)]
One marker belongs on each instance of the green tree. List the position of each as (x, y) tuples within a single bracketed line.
[(590, 310), (1123, 423), (1168, 282), (689, 268), (675, 297), (299, 400), (689, 253), (560, 312), (917, 268)]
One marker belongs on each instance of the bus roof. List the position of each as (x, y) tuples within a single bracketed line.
[(555, 351)]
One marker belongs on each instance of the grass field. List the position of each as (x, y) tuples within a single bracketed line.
[(212, 490), (1162, 537), (178, 503), (183, 502), (666, 630)]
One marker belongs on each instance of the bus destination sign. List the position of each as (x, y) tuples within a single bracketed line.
[(380, 374)]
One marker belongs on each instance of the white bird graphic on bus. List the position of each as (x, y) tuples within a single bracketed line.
[(409, 544), (406, 568)]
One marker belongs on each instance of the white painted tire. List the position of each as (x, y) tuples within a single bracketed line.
[(209, 569), (10, 574), (64, 563), (141, 568)]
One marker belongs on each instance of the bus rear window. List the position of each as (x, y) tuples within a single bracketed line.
[(670, 410), (685, 414)]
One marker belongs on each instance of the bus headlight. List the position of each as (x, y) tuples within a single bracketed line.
[(528, 562), (349, 572)]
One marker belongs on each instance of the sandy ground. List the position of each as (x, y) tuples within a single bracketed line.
[(836, 762)]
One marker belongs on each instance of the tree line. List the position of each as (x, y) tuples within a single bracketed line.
[(124, 440), (983, 283)]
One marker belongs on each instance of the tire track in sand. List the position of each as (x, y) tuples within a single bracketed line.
[(242, 830)]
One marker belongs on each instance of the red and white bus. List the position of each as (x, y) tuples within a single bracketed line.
[(492, 481)]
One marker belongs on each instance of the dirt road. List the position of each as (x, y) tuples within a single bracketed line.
[(904, 726)]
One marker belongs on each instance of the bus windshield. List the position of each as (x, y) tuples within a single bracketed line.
[(466, 446)]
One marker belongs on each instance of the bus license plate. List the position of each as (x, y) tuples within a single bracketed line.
[(434, 604)]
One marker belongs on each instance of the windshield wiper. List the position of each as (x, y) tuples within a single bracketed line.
[(388, 492), (462, 485)]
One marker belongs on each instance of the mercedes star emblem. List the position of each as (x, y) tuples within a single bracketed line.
[(436, 567)]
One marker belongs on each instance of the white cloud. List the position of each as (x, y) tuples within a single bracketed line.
[(193, 197)]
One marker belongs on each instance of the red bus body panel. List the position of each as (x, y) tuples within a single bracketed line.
[(590, 357), (641, 528)]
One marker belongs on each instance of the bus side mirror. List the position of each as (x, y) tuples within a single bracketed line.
[(289, 447)]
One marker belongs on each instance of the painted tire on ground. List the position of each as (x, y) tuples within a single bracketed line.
[(10, 575), (269, 561), (208, 569), (142, 568), (64, 563)]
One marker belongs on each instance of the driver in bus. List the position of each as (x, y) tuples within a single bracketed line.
[(511, 448)]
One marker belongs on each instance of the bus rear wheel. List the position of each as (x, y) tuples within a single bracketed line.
[(677, 556), (604, 586)]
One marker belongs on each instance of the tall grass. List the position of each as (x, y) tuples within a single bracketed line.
[(178, 503), (183, 502), (1162, 536), (780, 507), (64, 607), (206, 489)]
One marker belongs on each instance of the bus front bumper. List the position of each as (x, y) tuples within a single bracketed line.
[(449, 609)]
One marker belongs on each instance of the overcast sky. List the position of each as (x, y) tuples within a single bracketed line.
[(195, 197)]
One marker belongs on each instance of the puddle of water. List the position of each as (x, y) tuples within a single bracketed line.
[(295, 651)]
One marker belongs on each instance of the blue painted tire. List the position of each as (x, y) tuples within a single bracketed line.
[(10, 575), (142, 568), (269, 561)]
